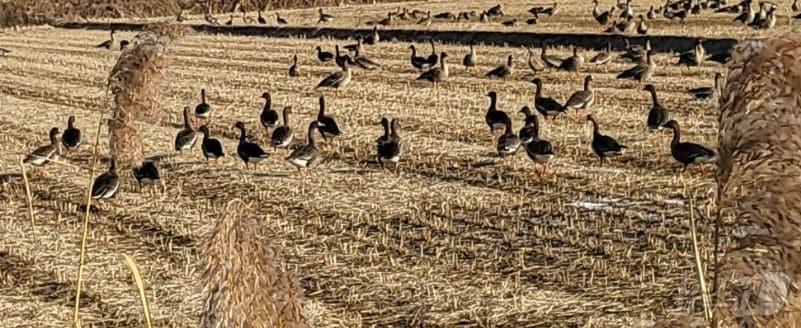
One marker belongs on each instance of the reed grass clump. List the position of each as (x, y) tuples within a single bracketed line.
[(244, 285), (758, 187)]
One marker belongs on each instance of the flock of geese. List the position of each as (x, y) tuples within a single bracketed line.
[(433, 68)]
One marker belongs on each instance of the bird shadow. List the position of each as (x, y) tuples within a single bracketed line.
[(6, 177)]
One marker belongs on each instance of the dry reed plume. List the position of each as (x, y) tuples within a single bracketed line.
[(760, 162), (244, 285), (134, 85)]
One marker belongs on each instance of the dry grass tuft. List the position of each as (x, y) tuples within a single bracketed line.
[(134, 83), (760, 162), (243, 280)]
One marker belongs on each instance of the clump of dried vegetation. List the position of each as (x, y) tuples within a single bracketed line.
[(760, 162), (244, 283), (134, 85)]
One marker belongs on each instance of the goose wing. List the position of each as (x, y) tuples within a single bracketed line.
[(332, 80), (105, 185)]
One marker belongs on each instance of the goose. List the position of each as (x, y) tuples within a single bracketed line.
[(436, 74), (247, 20), (496, 119), (509, 142), (708, 92), (722, 57), (658, 116), (146, 173), (538, 150), (765, 23), (425, 21), (532, 21), (432, 59), (601, 17), (604, 146), (636, 53), (688, 153), (510, 22), (306, 156), (546, 106), (337, 80), (642, 29), (211, 147), (651, 14), (416, 13), (209, 18), (390, 148), (466, 15), (418, 62), (373, 38), (694, 57), (124, 44), (484, 18), (747, 16), (533, 63), (268, 117), (603, 57), (549, 61), (502, 71), (293, 70), (110, 42), (640, 72), (469, 60), (364, 62), (42, 155), (627, 26), (496, 10), (339, 58), (186, 138), (106, 184), (326, 124), (203, 109), (4, 51), (324, 17), (71, 138), (324, 56), (385, 21), (582, 99), (280, 20), (550, 11), (230, 21), (628, 11), (572, 63), (445, 16), (261, 19), (795, 6), (526, 133), (356, 46), (249, 152), (283, 135)]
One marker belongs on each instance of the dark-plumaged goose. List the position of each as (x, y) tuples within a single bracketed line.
[(528, 131), (445, 16), (532, 21), (337, 80), (108, 44), (124, 44), (71, 138), (436, 74), (364, 62), (601, 17), (42, 155), (324, 17), (186, 138), (495, 11), (496, 119), (510, 22), (433, 58), (373, 38), (390, 148), (658, 116), (509, 142), (294, 70), (425, 20), (640, 72), (249, 152), (542, 10), (268, 117), (603, 57), (417, 61), (326, 124), (651, 14), (688, 153), (211, 147), (324, 56), (636, 53), (306, 156), (604, 146), (546, 106), (106, 184), (694, 57), (469, 60), (339, 58), (203, 109), (504, 70), (708, 92), (356, 46), (582, 99), (572, 63), (146, 173), (384, 137), (538, 150), (283, 135), (280, 20), (642, 28), (261, 19), (533, 63), (549, 61)]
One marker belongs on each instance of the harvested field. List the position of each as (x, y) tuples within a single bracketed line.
[(456, 236)]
